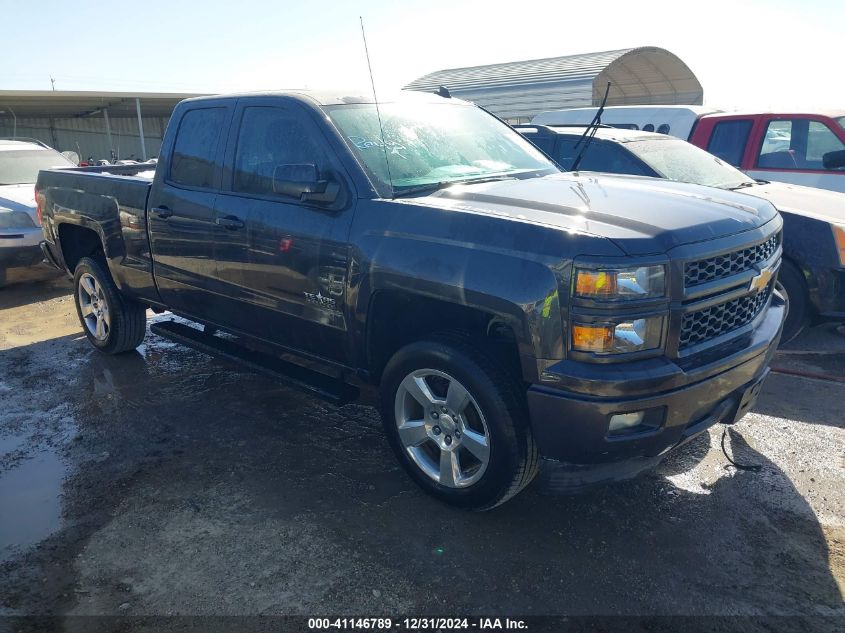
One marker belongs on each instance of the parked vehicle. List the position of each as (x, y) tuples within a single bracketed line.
[(20, 231), (800, 148), (501, 309), (813, 271)]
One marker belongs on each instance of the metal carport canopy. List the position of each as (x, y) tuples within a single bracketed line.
[(638, 76), (70, 104)]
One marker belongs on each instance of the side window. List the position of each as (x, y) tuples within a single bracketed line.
[(797, 144), (193, 163), (600, 156), (820, 141), (544, 142), (270, 137), (728, 140)]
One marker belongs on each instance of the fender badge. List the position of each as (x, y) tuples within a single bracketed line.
[(320, 300)]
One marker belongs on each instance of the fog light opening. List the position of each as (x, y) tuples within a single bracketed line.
[(625, 422)]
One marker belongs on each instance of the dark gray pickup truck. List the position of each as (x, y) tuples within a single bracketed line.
[(424, 253)]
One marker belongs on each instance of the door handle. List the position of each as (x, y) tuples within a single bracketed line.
[(229, 222), (163, 212)]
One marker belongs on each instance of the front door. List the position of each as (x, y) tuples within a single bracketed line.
[(286, 275), (793, 149)]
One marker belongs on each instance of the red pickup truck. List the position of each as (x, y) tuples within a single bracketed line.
[(800, 148)]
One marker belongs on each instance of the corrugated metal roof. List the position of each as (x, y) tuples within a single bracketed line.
[(638, 76), (73, 103), (570, 67)]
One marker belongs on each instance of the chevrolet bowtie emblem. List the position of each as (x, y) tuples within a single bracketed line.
[(761, 280)]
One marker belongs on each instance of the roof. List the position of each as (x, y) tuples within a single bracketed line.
[(338, 97), (641, 75), (7, 144), (603, 133), (70, 104), (523, 72), (833, 113)]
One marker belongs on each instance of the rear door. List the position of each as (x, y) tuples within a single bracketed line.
[(729, 139), (285, 276), (181, 208)]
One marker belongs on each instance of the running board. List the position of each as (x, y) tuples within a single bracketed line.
[(332, 389)]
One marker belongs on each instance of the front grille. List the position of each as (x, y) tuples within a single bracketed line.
[(722, 266), (714, 321)]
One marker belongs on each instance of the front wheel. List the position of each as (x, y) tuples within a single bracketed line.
[(113, 323), (458, 423)]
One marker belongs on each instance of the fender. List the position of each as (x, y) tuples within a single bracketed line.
[(115, 209), (521, 289)]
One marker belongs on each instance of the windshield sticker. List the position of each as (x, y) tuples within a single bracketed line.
[(362, 143)]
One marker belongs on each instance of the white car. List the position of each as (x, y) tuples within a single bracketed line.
[(20, 230)]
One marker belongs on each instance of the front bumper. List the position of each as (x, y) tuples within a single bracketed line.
[(571, 424)]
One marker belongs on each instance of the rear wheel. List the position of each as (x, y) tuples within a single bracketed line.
[(794, 289), (457, 423), (113, 323)]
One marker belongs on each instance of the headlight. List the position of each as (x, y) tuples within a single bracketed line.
[(642, 282), (634, 335), (839, 237)]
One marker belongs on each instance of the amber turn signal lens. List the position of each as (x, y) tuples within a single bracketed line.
[(839, 236), (592, 338), (595, 283)]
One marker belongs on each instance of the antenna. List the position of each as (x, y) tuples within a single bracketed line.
[(378, 111)]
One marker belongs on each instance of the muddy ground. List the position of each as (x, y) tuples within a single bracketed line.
[(167, 482)]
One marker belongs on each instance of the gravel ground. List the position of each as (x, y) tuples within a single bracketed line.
[(168, 482)]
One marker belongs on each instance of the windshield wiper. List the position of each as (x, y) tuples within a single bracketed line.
[(590, 132), (743, 185), (434, 186)]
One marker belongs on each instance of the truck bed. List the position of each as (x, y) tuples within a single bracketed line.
[(110, 201), (129, 184)]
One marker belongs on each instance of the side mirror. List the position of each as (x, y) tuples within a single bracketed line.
[(834, 160), (302, 181)]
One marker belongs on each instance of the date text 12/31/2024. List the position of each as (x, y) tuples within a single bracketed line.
[(416, 624)]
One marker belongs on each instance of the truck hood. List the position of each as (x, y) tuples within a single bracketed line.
[(819, 204), (642, 216), (18, 198)]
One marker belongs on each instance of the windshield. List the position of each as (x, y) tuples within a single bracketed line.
[(21, 166), (841, 121), (434, 143), (684, 162)]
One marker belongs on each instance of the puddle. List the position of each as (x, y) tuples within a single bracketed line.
[(30, 503)]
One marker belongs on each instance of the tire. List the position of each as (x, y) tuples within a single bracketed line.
[(794, 289), (98, 301), (491, 413)]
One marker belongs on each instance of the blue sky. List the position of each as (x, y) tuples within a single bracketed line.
[(772, 54)]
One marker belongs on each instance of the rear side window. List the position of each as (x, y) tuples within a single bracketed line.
[(195, 152), (269, 138), (728, 140), (600, 156), (544, 142)]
